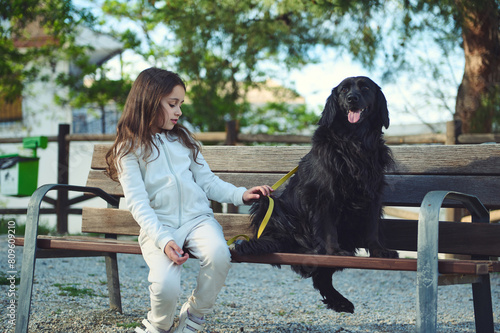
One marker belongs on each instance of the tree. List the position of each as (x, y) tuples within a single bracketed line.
[(478, 98), (394, 31), (36, 34), (220, 45), (98, 90), (21, 65)]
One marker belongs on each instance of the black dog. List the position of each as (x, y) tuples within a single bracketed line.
[(332, 204)]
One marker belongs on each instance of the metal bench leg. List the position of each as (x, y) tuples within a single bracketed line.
[(483, 310), (29, 259), (30, 246), (427, 264), (115, 301), (26, 284), (427, 261)]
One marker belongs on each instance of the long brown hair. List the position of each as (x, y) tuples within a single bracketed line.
[(140, 118)]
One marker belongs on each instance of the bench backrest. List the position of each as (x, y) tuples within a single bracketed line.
[(473, 169)]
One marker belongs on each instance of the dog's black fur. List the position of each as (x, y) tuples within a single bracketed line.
[(333, 203)]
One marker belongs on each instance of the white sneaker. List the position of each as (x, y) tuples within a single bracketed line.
[(150, 328), (189, 323)]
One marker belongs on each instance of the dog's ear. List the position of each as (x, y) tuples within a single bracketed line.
[(382, 107), (331, 106)]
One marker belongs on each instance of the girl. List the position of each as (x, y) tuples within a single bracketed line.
[(167, 186)]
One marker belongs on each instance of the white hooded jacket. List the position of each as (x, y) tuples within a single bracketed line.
[(171, 189)]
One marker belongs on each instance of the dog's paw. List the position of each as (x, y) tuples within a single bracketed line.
[(337, 252), (344, 253), (343, 305), (236, 244), (382, 253), (391, 254), (241, 246)]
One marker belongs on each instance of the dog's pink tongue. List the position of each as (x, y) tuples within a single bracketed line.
[(353, 116)]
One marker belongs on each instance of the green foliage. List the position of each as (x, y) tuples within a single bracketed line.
[(19, 67), (488, 112), (220, 46), (422, 40), (6, 281), (72, 290), (273, 118), (129, 325), (61, 22), (98, 91)]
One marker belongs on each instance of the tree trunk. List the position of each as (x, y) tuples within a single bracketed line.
[(481, 42)]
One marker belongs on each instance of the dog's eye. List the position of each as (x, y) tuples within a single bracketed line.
[(365, 88), (344, 90)]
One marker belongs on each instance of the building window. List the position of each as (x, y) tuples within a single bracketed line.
[(11, 111), (88, 120)]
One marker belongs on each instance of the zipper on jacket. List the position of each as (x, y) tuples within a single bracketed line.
[(158, 136), (172, 171)]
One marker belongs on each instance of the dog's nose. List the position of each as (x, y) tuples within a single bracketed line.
[(352, 98)]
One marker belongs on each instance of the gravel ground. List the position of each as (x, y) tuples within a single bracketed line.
[(256, 298)]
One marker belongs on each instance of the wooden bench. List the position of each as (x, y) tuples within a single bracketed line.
[(429, 177)]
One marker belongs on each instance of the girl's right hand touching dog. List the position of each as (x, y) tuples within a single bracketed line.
[(175, 253)]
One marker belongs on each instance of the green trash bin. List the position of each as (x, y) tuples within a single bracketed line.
[(19, 174)]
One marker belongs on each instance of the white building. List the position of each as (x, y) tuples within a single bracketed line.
[(37, 114)]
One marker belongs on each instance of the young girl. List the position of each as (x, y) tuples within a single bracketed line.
[(167, 186)]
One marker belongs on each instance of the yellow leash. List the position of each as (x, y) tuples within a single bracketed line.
[(280, 182), (269, 209), (232, 240)]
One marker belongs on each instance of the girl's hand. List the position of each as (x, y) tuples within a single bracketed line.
[(175, 253), (255, 192)]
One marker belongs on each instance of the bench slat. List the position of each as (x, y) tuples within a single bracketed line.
[(474, 159), (444, 266), (118, 246), (404, 190), (401, 190), (436, 160), (97, 178), (454, 237), (409, 190), (92, 244), (448, 160), (109, 220), (99, 156), (121, 222), (238, 159)]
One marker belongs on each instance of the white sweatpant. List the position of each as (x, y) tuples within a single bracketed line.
[(204, 239)]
